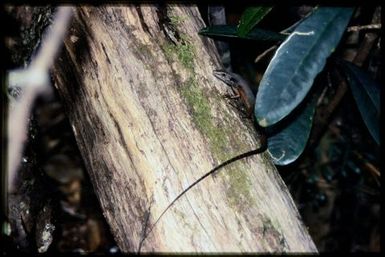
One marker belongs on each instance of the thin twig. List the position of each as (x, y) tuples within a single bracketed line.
[(34, 80), (364, 27), (265, 53)]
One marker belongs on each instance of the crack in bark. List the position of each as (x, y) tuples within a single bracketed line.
[(141, 19), (168, 28), (200, 223), (147, 215)]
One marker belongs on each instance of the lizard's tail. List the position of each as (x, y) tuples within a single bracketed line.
[(261, 149)]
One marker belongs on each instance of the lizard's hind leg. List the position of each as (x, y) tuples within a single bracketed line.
[(236, 105)]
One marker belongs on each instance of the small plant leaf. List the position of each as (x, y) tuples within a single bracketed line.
[(289, 137), (366, 93), (230, 32), (251, 17), (297, 62)]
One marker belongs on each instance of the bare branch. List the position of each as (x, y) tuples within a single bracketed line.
[(364, 27), (34, 80)]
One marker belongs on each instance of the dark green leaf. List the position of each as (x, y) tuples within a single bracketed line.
[(297, 62), (366, 92), (287, 142), (230, 32), (251, 17)]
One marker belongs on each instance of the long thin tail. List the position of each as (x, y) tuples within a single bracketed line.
[(238, 157)]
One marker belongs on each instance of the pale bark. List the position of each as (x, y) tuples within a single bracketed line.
[(150, 119)]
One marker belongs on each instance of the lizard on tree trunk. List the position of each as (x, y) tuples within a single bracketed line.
[(241, 90)]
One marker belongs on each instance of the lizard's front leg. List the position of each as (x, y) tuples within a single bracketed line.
[(233, 95)]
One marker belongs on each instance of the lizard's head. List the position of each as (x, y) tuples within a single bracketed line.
[(226, 77)]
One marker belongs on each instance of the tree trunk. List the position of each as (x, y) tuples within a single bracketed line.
[(150, 119)]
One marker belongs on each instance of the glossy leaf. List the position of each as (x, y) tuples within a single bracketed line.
[(366, 92), (251, 17), (297, 62), (288, 141), (230, 32)]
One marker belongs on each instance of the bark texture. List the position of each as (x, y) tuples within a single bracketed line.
[(150, 119)]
